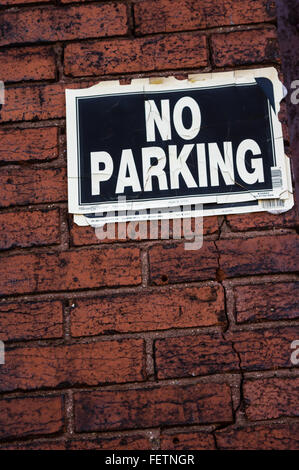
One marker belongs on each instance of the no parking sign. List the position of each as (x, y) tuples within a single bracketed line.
[(213, 139)]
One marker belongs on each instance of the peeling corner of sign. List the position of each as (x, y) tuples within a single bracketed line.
[(267, 88), (266, 78), (275, 91), (80, 220), (86, 221)]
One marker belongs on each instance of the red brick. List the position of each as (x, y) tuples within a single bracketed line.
[(209, 226), (153, 407), (174, 15), (119, 443), (40, 227), (262, 221), (31, 320), (266, 302), (77, 364), (83, 235), (63, 23), (28, 63), (203, 354), (245, 47), (271, 398), (172, 263), (22, 417), (87, 235), (265, 348), (16, 2), (260, 255), (85, 269), (36, 102), (29, 185), (187, 441), (261, 437), (35, 445), (145, 311), (22, 145), (136, 55), (131, 442), (111, 443)]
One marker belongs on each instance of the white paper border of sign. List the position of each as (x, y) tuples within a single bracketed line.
[(274, 206), (82, 220), (171, 83)]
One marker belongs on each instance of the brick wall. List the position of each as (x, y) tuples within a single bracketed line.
[(135, 345)]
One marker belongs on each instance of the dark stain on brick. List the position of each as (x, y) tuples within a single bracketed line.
[(5, 28), (271, 8), (62, 262), (271, 50), (220, 275)]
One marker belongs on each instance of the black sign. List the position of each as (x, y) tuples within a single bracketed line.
[(193, 144)]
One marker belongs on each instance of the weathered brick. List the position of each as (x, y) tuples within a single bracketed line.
[(245, 47), (172, 263), (193, 440), (259, 255), (151, 407), (271, 398), (206, 353), (29, 185), (262, 221), (88, 364), (29, 228), (115, 233), (22, 145), (266, 302), (31, 320), (16, 2), (111, 443), (99, 443), (87, 235), (85, 269), (261, 437), (27, 63), (21, 417), (63, 23), (136, 55), (209, 226), (145, 311), (174, 15), (32, 367), (131, 442), (36, 102), (265, 348), (35, 445)]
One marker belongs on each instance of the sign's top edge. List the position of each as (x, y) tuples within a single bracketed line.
[(199, 79)]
